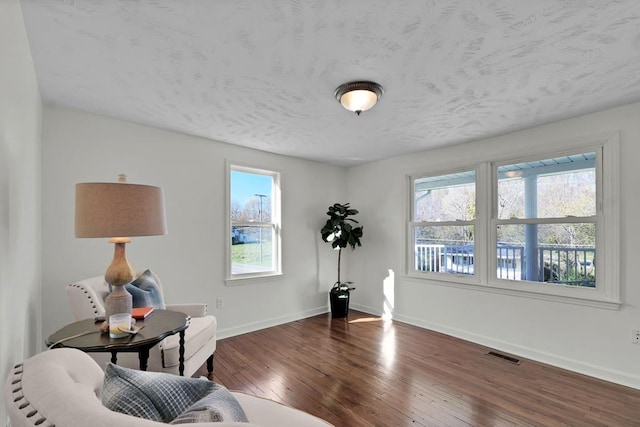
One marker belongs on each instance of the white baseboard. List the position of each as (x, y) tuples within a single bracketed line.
[(610, 375), (274, 321), (365, 309)]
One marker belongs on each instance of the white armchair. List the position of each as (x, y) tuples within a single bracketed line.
[(86, 298)]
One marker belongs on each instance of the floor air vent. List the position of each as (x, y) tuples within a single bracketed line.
[(505, 357)]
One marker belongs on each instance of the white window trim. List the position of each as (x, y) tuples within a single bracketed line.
[(607, 292), (276, 215), (477, 226)]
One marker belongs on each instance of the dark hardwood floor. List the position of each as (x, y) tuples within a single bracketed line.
[(363, 371)]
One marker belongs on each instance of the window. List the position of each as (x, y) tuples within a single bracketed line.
[(533, 226), (444, 213), (254, 241), (546, 220)]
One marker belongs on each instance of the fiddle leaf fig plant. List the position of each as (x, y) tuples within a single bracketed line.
[(341, 231)]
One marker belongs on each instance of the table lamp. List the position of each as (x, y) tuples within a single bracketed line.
[(119, 211)]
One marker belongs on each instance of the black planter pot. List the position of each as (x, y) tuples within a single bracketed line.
[(339, 303)]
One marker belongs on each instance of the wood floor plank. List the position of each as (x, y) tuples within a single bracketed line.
[(364, 372)]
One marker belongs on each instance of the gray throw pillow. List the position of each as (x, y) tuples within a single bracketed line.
[(151, 395), (217, 406), (145, 292)]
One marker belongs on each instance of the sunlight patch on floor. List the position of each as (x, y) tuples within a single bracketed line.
[(366, 319), (388, 345)]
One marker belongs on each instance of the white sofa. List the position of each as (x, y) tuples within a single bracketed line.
[(87, 297), (62, 388)]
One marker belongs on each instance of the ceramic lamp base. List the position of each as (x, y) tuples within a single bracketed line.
[(118, 301), (117, 275)]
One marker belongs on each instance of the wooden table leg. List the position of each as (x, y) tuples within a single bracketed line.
[(210, 364), (114, 357), (143, 356), (210, 368), (181, 354)]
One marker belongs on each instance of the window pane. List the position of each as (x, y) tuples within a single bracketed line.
[(445, 198), (551, 188), (251, 197), (553, 253), (445, 249), (254, 248), (251, 249)]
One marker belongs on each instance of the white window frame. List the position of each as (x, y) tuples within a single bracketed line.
[(478, 263), (275, 225), (606, 294)]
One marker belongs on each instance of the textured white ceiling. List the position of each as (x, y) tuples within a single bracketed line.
[(262, 73)]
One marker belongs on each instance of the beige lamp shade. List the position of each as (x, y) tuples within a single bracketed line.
[(119, 210)]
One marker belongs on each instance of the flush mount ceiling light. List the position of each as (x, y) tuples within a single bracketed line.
[(358, 96)]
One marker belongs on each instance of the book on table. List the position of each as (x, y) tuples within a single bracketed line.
[(141, 312)]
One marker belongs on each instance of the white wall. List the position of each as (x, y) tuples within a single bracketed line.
[(20, 124), (589, 340), (80, 147)]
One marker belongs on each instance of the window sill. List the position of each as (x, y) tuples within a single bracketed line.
[(464, 280), (252, 279), (595, 301)]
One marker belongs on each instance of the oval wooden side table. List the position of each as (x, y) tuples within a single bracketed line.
[(86, 335)]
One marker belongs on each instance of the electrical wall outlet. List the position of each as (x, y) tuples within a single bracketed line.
[(635, 336), (220, 304)]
